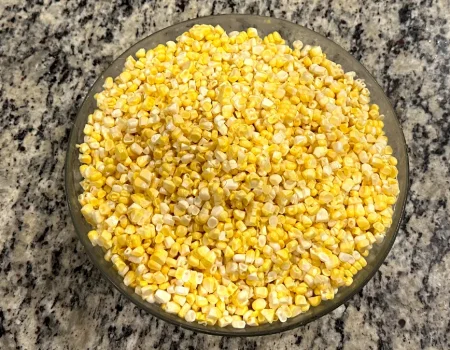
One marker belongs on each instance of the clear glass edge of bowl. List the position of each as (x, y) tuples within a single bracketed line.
[(277, 327)]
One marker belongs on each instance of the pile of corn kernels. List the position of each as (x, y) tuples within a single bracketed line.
[(235, 180)]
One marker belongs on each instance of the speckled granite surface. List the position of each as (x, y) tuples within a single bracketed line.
[(51, 297)]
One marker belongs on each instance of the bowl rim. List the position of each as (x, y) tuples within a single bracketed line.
[(248, 331)]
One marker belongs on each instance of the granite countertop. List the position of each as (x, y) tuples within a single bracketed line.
[(52, 297)]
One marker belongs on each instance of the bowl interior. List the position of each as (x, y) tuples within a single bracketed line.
[(289, 32)]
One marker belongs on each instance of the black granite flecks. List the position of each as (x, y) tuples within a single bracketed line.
[(52, 297)]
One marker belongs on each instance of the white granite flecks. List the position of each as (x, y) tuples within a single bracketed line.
[(51, 296)]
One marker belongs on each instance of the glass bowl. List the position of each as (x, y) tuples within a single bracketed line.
[(290, 32)]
